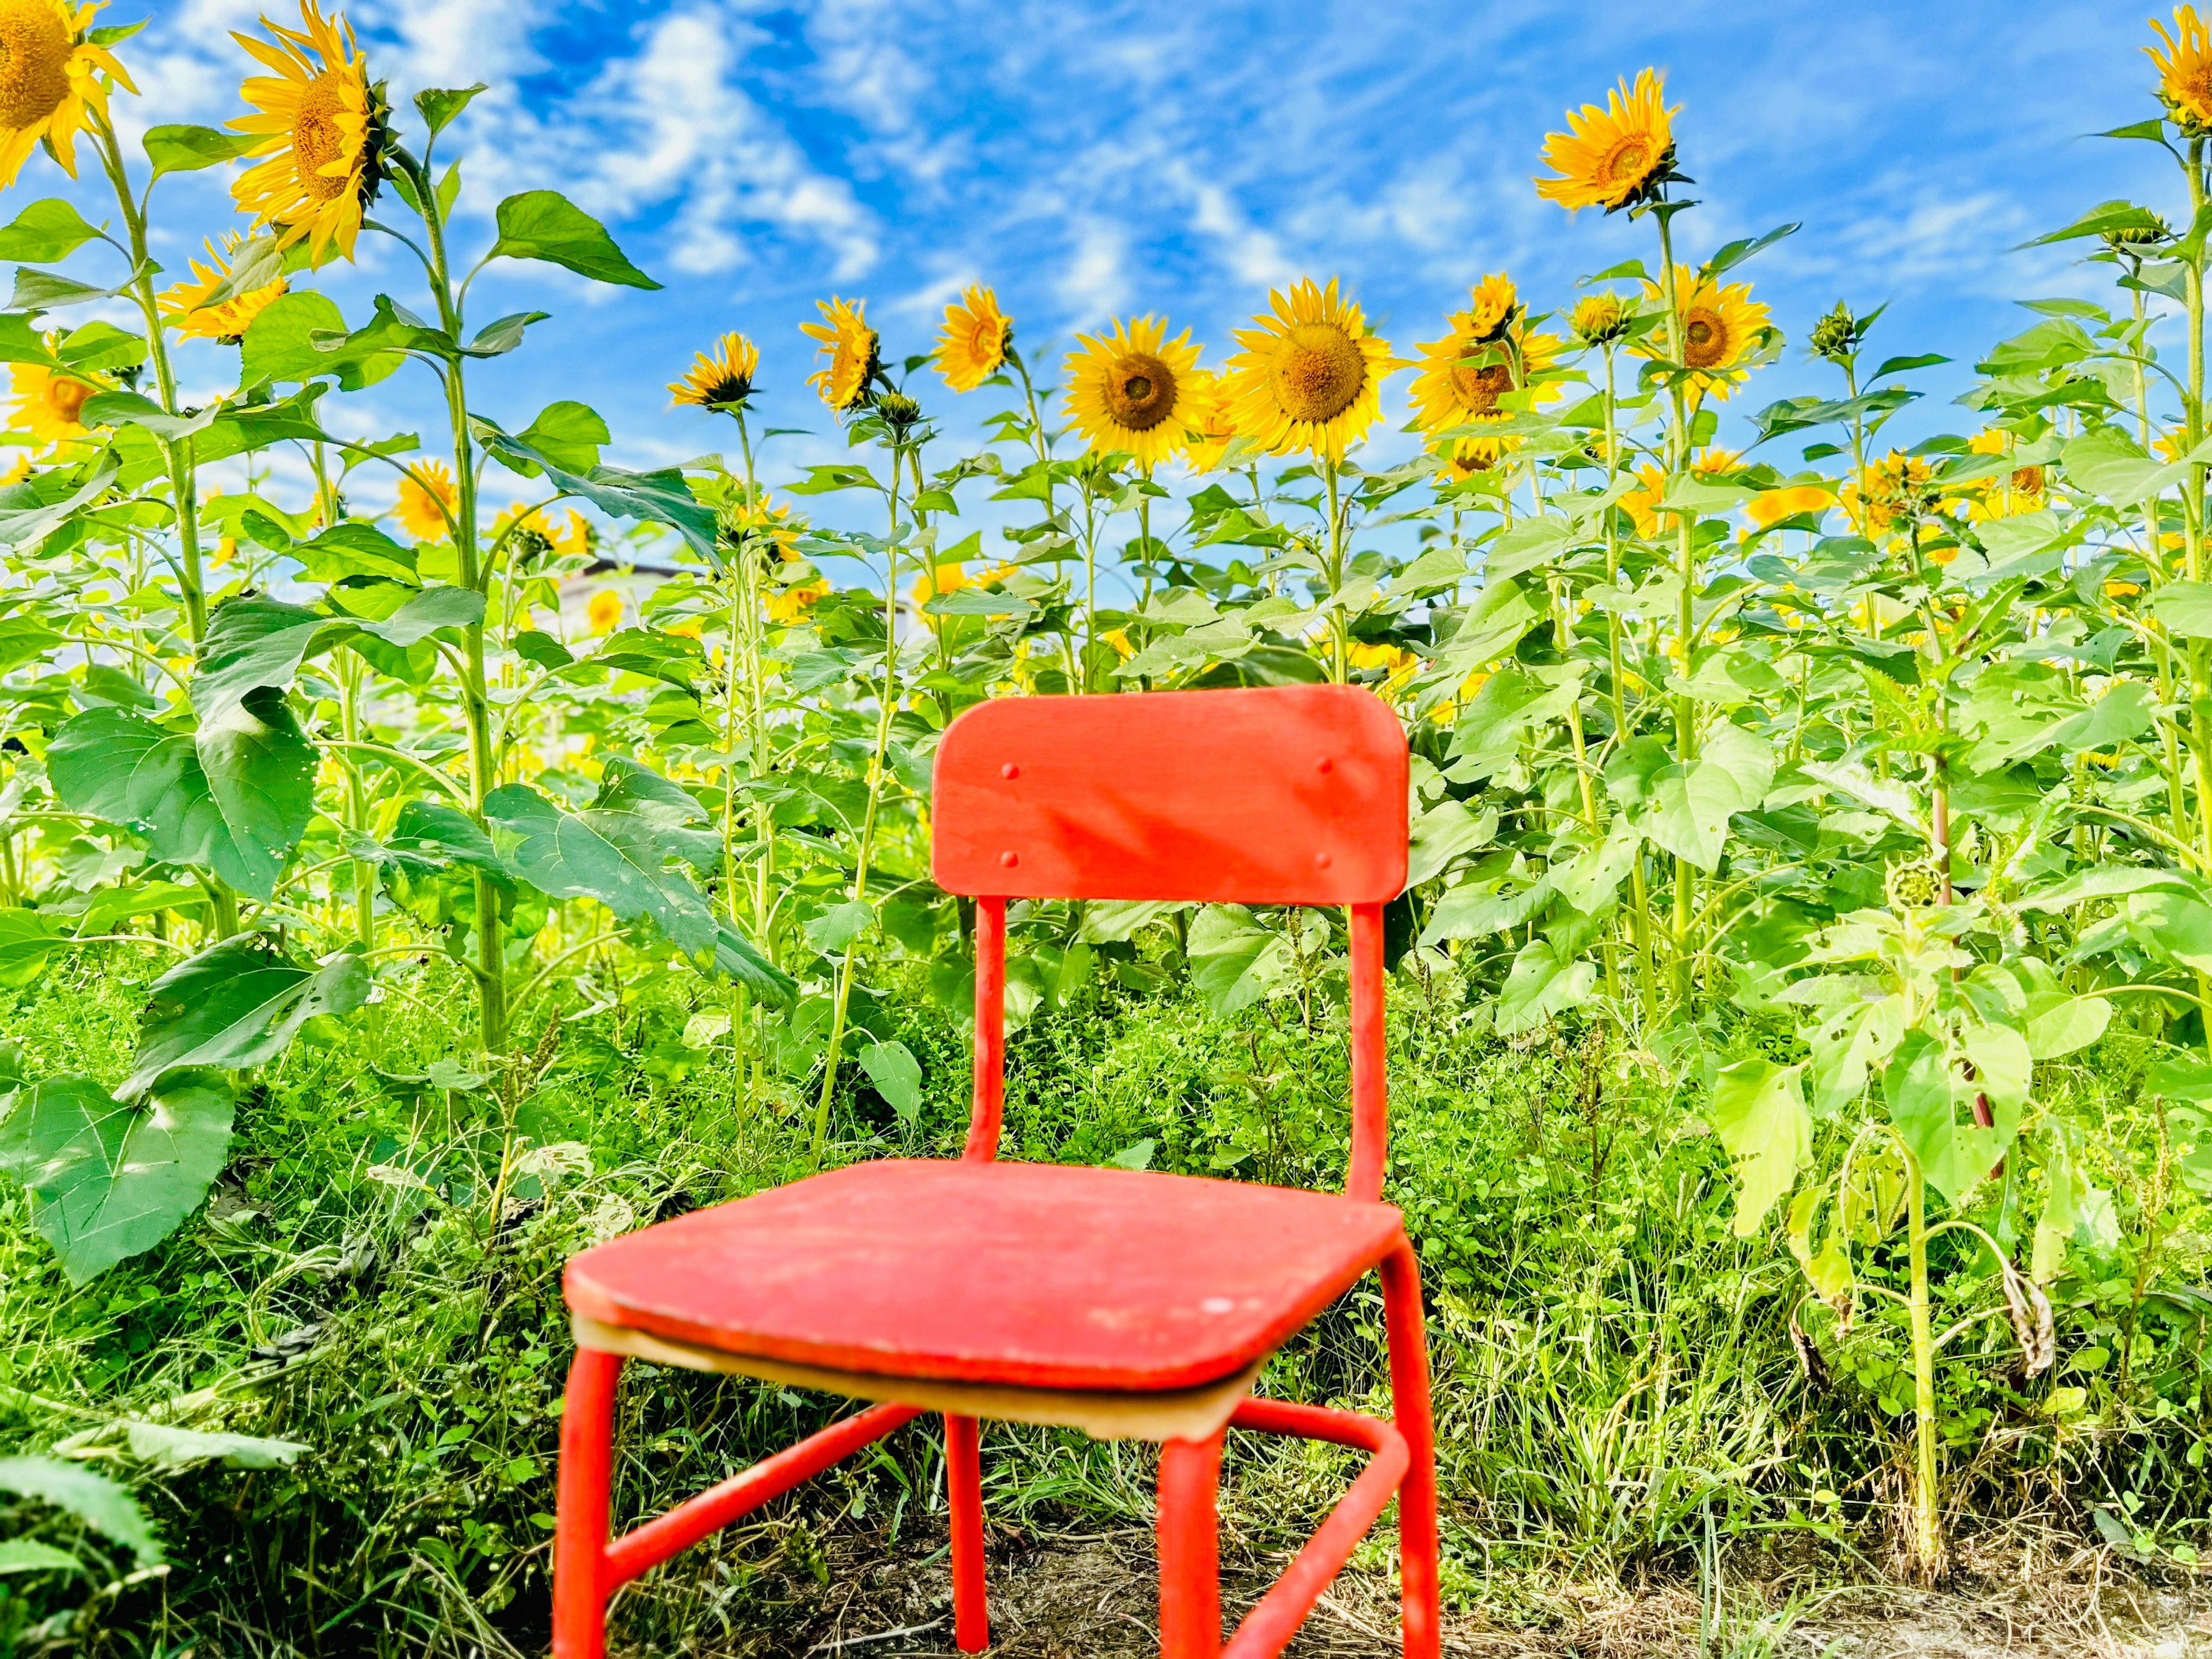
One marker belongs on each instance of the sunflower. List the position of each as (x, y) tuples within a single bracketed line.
[(975, 338), (1614, 157), (49, 76), (1395, 664), (1205, 444), (1135, 390), (186, 304), (1719, 325), (320, 126), (763, 520), (1464, 375), (723, 381), (1493, 302), (1898, 486), (1641, 504), (2020, 491), (531, 535), (1310, 375), (426, 496), (48, 402), (789, 603), (1770, 506), (605, 613), (2184, 71), (852, 348)]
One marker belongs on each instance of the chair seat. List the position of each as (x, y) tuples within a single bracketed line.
[(1030, 1274)]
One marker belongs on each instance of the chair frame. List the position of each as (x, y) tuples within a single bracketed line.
[(588, 1568)]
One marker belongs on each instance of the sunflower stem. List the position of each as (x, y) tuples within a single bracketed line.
[(1340, 654), (1685, 706)]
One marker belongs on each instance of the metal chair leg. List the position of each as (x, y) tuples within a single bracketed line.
[(1190, 1549), (579, 1535), (1418, 1567), (963, 1493)]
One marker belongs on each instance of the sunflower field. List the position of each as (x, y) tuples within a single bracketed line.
[(1802, 996)]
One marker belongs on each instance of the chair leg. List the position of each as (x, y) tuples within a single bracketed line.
[(1417, 1567), (579, 1535), (963, 1493), (1190, 1549)]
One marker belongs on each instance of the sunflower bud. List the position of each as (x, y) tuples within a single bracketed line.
[(901, 412), (2138, 241), (1839, 334), (1600, 318), (1914, 886)]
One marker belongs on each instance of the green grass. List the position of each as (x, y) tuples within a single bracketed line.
[(1615, 1380)]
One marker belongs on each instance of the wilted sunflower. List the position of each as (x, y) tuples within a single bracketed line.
[(50, 75), (1133, 389), (2185, 71), (723, 381), (974, 343), (186, 304), (48, 403), (852, 348), (1613, 157), (1719, 325), (424, 489), (321, 127), (1464, 375), (1310, 375)]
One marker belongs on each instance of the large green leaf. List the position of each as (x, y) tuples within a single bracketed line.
[(1758, 1112), (26, 940), (660, 497), (1542, 985), (260, 769), (99, 1502), (121, 766), (109, 1180), (187, 149), (29, 511), (46, 230), (1687, 809), (279, 344), (238, 1002), (1234, 961), (1931, 1100), (544, 224), (624, 851)]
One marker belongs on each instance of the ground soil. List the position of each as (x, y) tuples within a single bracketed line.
[(1090, 1595)]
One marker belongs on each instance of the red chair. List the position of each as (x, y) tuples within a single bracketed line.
[(1127, 1304)]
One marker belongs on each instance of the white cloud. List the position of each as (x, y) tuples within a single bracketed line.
[(1095, 282)]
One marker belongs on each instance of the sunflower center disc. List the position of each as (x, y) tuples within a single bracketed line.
[(317, 138), (1479, 389), (66, 398), (1140, 392), (1319, 373), (1705, 340), (1629, 162), (34, 49)]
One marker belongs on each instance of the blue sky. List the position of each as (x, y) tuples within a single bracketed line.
[(1096, 159)]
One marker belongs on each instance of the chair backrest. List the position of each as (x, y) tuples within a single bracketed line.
[(1284, 795)]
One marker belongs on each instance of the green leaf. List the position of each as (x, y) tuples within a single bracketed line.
[(1235, 961), (279, 345), (26, 940), (1931, 1100), (619, 851), (1687, 809), (107, 1180), (100, 1502), (569, 435), (187, 149), (353, 549), (897, 1077), (1541, 986), (25, 519), (439, 105), (502, 334), (135, 409), (44, 232), (2056, 1226), (20, 342), (540, 648), (840, 924), (2185, 608), (441, 836), (660, 497), (169, 1448), (2060, 1024), (542, 224), (121, 766), (1735, 253), (238, 1002), (28, 1555), (49, 290), (1758, 1112)]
